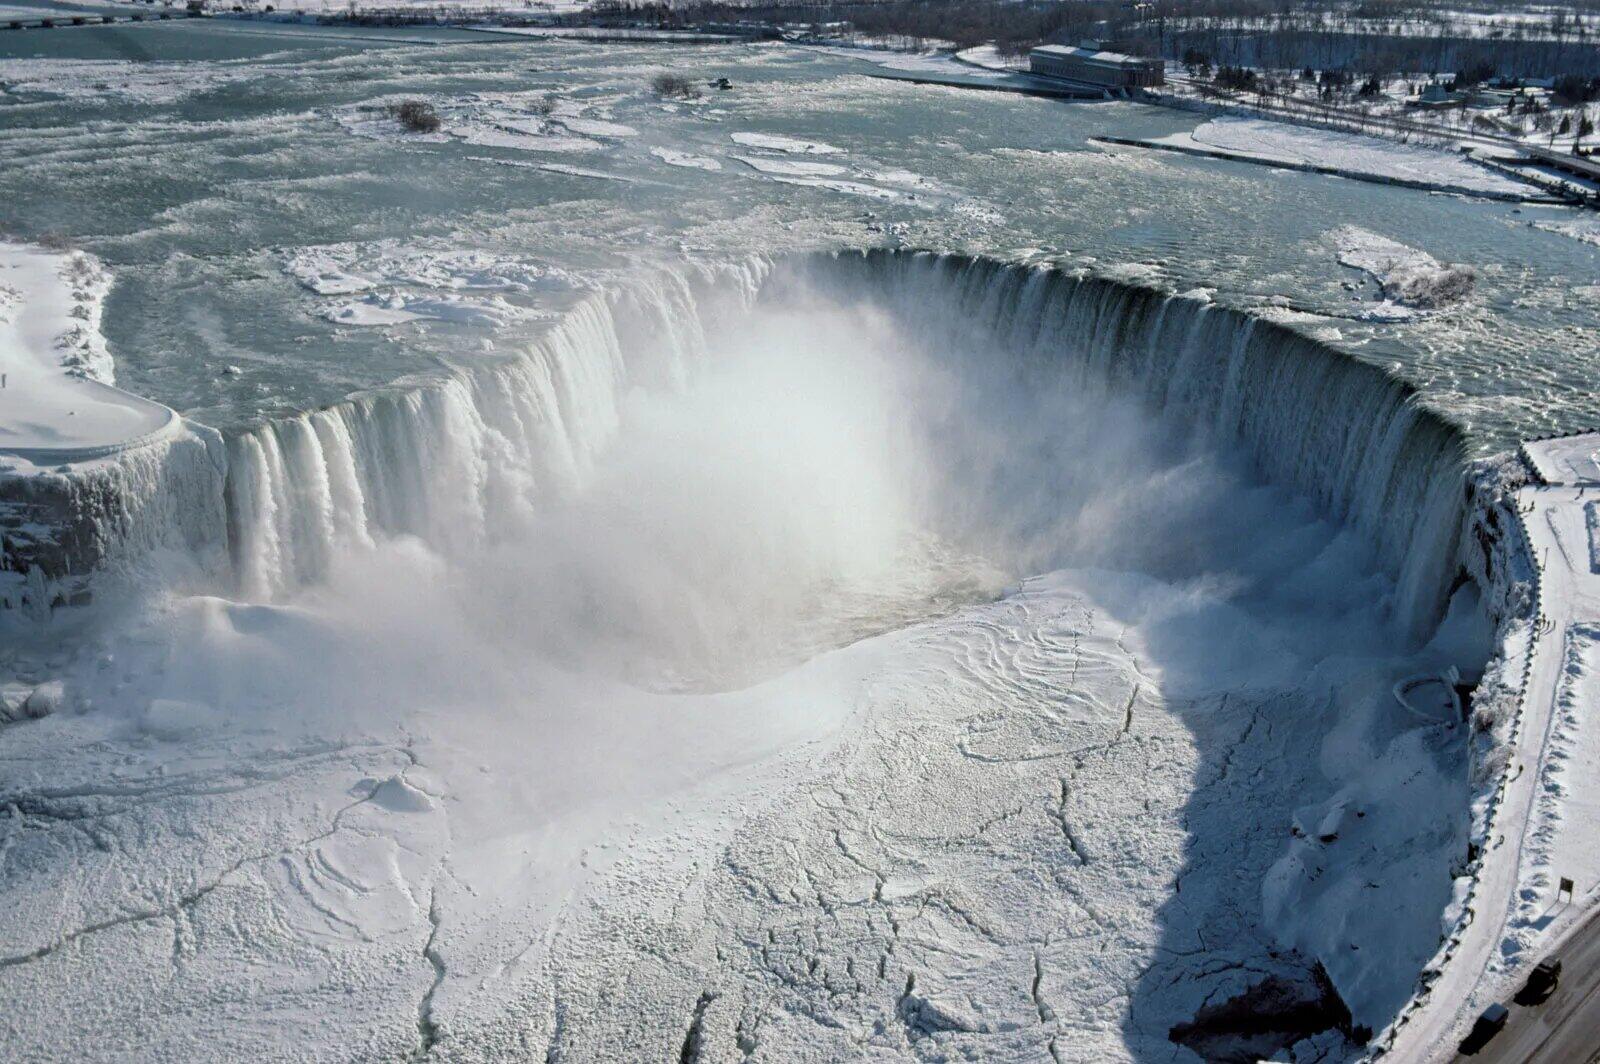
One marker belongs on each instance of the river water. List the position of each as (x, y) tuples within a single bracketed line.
[(200, 160)]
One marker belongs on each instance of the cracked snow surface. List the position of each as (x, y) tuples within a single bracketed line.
[(1033, 835)]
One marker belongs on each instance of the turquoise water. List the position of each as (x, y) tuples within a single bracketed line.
[(197, 157)]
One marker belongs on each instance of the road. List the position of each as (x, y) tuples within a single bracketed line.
[(1565, 1029)]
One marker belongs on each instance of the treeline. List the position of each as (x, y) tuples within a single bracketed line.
[(1375, 54), (1266, 34), (1013, 25)]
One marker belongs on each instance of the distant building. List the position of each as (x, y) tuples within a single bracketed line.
[(1111, 70), (1437, 96)]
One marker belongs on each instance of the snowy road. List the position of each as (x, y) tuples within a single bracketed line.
[(1561, 1030)]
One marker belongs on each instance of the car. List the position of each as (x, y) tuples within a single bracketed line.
[(1488, 1024), (1541, 983)]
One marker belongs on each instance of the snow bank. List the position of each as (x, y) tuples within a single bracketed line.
[(91, 477)]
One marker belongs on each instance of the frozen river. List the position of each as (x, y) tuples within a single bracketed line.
[(832, 569)]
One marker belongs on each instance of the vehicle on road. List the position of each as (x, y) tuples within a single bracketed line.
[(1487, 1026), (1541, 983)]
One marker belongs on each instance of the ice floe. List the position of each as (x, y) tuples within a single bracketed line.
[(788, 145), (674, 157)]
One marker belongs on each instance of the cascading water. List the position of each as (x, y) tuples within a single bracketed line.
[(451, 460), (1342, 432), (454, 460)]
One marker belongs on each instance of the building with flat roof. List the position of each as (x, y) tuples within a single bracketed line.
[(1111, 70)]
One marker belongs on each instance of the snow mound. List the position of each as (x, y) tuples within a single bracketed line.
[(397, 795), (56, 403)]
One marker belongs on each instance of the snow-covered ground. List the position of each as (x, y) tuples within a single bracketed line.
[(55, 403), (1494, 123), (1263, 139), (1561, 840), (1534, 22), (906, 61), (989, 57)]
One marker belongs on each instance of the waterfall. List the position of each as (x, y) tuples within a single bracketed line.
[(457, 460), (1346, 434), (461, 458)]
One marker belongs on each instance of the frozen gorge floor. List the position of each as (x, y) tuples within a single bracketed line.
[(1034, 829)]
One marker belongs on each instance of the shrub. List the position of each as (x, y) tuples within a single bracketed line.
[(1492, 765), (675, 86), (418, 116), (1485, 717), (1241, 78), (1432, 288)]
